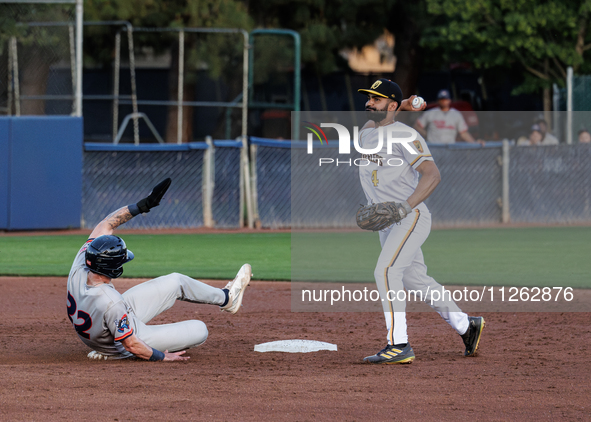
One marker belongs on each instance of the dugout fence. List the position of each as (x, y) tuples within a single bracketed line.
[(206, 189), (480, 186)]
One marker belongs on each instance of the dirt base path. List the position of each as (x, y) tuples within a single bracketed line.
[(532, 366)]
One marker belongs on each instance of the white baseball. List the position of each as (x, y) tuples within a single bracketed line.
[(418, 102)]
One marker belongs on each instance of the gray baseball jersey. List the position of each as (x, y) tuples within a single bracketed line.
[(442, 127), (99, 314)]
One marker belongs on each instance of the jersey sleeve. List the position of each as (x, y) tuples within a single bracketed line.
[(118, 322), (79, 261), (421, 150)]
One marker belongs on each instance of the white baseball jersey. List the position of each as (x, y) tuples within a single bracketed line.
[(99, 314), (391, 177), (550, 139), (442, 126)]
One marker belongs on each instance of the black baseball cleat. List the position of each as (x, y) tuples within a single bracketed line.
[(472, 336), (392, 355)]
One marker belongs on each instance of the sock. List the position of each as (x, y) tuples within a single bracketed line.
[(401, 346), (226, 292)]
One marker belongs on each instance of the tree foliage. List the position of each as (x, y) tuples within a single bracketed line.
[(169, 14), (543, 37), (325, 27)]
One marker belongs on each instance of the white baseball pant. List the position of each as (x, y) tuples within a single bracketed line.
[(401, 265)]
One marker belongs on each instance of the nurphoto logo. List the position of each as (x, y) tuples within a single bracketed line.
[(389, 135)]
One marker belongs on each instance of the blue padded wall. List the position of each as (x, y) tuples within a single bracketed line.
[(45, 172), (4, 170)]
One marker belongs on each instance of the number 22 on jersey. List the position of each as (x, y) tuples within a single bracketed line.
[(374, 177), (87, 321)]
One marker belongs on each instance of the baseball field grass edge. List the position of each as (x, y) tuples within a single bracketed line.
[(547, 256)]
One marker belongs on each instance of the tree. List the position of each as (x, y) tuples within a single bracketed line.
[(38, 47), (172, 14), (408, 18), (327, 27), (542, 37)]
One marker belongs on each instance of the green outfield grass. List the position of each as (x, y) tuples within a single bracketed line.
[(545, 256), (551, 256), (217, 256)]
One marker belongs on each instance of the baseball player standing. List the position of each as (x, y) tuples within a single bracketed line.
[(443, 123), (114, 325), (398, 189)]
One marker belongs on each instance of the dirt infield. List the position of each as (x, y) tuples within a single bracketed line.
[(531, 366)]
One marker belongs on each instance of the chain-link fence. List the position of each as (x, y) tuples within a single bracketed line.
[(112, 179), (272, 171), (550, 184), (580, 100), (324, 196), (471, 186), (547, 184), (226, 191), (37, 58), (582, 93), (294, 191)]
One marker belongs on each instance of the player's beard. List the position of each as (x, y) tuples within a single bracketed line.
[(375, 114)]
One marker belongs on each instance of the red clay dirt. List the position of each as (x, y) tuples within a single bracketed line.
[(531, 366)]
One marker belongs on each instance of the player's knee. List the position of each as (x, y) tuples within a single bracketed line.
[(379, 272), (174, 278), (201, 332)]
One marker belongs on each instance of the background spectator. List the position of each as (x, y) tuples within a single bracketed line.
[(547, 137), (443, 123), (535, 137)]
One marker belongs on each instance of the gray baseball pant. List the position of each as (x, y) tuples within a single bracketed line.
[(153, 297)]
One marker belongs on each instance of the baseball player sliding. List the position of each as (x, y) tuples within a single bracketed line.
[(114, 325), (395, 196)]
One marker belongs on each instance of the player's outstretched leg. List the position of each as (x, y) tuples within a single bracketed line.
[(392, 355), (472, 336), (469, 328), (236, 289)]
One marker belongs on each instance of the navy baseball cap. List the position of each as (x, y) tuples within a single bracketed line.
[(443, 94), (384, 88)]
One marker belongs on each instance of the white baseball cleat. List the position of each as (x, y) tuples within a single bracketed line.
[(94, 355), (236, 289)]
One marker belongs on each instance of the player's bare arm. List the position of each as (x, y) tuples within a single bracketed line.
[(467, 136), (124, 214), (133, 344), (419, 128), (430, 178), (111, 222)]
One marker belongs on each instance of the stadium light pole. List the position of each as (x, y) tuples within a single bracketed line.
[(569, 105)]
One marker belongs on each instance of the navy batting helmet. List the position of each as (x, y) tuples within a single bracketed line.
[(106, 255)]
